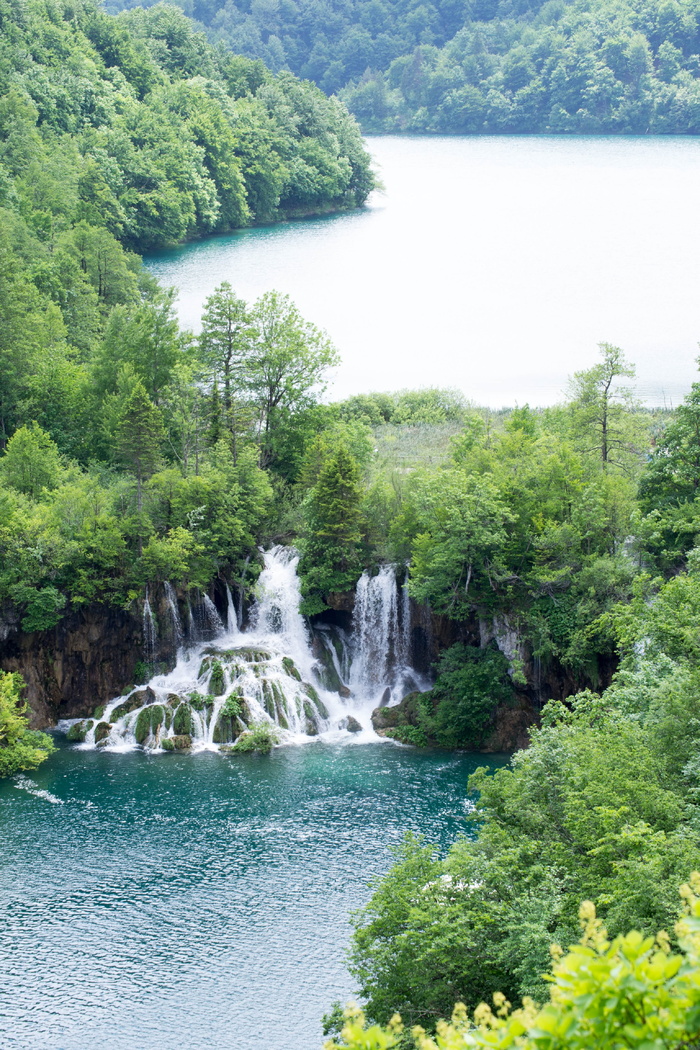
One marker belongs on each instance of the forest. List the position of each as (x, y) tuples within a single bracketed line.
[(134, 452), (482, 66)]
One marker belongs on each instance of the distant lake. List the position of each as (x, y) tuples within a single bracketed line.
[(491, 264)]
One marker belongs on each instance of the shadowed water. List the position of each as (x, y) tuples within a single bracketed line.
[(191, 901)]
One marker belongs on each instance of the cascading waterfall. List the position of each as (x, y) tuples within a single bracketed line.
[(232, 622), (171, 599), (211, 616), (150, 632), (276, 672), (381, 639)]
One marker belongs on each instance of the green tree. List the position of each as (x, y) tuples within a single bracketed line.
[(332, 557), (20, 747), (601, 409), (285, 367), (224, 340), (32, 462), (139, 436)]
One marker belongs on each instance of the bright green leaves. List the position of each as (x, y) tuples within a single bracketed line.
[(20, 747), (633, 992), (460, 526)]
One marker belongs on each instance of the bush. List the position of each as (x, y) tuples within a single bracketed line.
[(633, 993), (260, 737), (20, 747)]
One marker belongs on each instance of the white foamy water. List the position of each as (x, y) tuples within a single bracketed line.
[(274, 673)]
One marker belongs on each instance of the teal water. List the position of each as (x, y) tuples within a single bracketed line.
[(491, 264), (192, 901)]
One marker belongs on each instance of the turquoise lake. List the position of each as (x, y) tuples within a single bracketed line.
[(491, 264), (192, 901)]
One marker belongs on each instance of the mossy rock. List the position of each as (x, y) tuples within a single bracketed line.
[(168, 718), (176, 742), (102, 731), (310, 692), (99, 711), (182, 722), (205, 667), (79, 730), (251, 655), (182, 742), (326, 672), (226, 729), (217, 682), (311, 728), (268, 697), (148, 722), (173, 699), (352, 725), (141, 697), (290, 668), (321, 708), (132, 703)]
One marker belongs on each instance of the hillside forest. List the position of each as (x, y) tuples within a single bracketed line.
[(479, 66), (134, 452)]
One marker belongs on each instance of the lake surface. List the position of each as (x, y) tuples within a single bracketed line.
[(193, 901), (495, 265)]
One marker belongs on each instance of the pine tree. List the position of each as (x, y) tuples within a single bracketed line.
[(332, 559), (140, 436)]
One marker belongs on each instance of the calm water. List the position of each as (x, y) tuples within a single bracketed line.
[(198, 901), (495, 265)]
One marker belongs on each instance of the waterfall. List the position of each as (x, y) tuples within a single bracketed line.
[(211, 616), (275, 672), (232, 624), (171, 599), (381, 672), (150, 632)]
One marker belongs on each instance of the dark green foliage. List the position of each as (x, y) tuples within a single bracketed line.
[(332, 559), (483, 67), (457, 711), (182, 721), (217, 682), (232, 706)]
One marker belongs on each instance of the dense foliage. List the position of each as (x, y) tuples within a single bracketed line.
[(489, 66), (136, 127), (131, 451), (20, 747), (633, 992), (563, 524)]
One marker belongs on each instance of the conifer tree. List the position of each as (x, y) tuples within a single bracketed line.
[(140, 436), (332, 558)]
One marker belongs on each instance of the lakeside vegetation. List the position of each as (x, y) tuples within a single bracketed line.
[(585, 67), (134, 453)]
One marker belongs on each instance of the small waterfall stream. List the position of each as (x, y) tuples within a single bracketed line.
[(277, 671)]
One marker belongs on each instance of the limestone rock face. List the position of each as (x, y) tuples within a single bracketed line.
[(88, 658)]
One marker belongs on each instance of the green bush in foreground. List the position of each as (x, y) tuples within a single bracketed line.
[(261, 737), (631, 993), (21, 748)]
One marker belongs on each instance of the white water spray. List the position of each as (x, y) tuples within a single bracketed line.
[(272, 673)]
